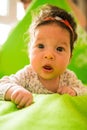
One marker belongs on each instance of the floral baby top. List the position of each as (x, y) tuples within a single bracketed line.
[(28, 79)]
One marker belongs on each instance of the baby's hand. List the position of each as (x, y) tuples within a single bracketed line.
[(66, 90), (21, 97)]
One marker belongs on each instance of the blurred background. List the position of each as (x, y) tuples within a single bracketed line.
[(12, 11)]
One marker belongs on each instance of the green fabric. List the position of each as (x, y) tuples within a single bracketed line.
[(48, 112)]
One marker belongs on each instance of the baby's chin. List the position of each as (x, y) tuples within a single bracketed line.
[(49, 77)]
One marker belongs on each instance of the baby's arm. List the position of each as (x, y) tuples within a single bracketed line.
[(13, 88), (19, 96), (66, 90), (71, 85)]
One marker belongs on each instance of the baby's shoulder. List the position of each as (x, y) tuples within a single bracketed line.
[(29, 71), (26, 71), (69, 74), (69, 78)]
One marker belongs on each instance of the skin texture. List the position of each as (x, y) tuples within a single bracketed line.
[(19, 96), (49, 57), (53, 51)]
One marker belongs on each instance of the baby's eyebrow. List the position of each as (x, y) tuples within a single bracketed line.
[(39, 39), (63, 43)]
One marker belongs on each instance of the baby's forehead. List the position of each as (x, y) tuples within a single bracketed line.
[(51, 33), (49, 28), (49, 24)]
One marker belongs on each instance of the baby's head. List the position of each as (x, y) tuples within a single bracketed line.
[(52, 34), (50, 14)]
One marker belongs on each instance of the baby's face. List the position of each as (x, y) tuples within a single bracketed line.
[(50, 51)]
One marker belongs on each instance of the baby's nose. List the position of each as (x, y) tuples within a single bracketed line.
[(49, 56)]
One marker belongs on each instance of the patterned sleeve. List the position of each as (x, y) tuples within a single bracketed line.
[(15, 80), (76, 84)]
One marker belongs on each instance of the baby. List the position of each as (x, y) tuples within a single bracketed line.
[(52, 37)]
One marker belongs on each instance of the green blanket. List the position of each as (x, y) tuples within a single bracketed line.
[(48, 112)]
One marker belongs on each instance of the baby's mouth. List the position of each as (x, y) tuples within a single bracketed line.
[(48, 67)]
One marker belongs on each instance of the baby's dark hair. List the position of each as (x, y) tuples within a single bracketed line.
[(52, 14)]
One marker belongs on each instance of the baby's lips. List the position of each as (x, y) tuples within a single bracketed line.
[(48, 67)]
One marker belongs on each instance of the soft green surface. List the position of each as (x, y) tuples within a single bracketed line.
[(48, 112), (79, 59)]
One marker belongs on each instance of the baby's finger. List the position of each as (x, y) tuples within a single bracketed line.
[(29, 102), (24, 101), (17, 99), (72, 93), (19, 107), (59, 90), (14, 95)]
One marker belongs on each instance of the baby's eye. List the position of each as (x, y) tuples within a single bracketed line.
[(40, 46), (60, 49)]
